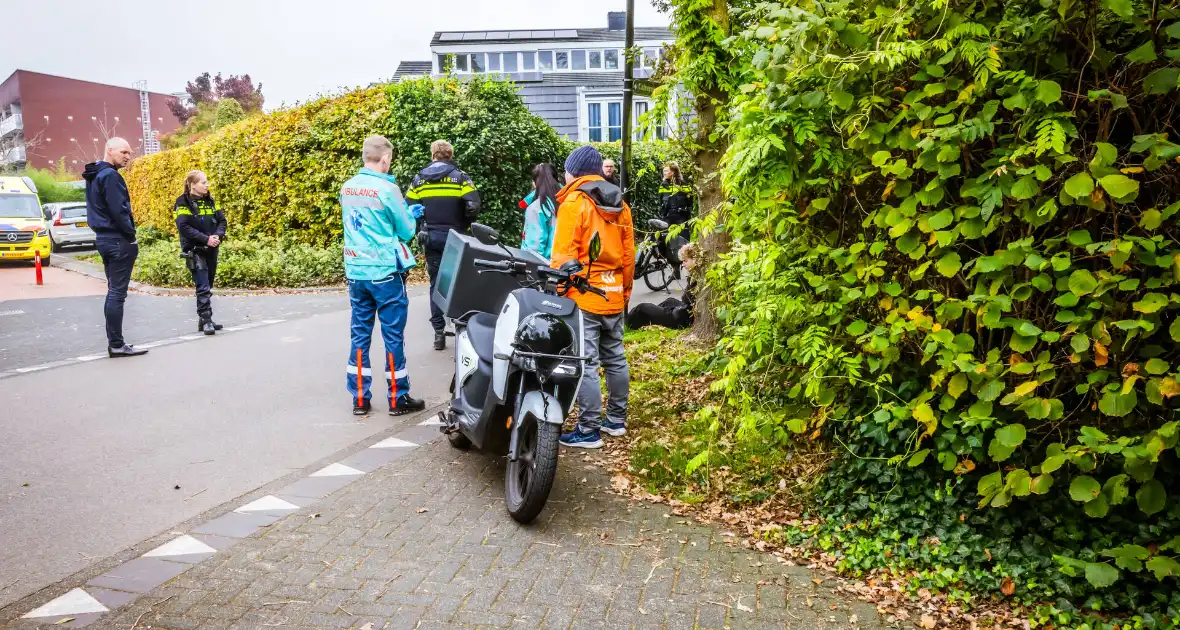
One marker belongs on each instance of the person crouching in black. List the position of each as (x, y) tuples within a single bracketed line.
[(671, 313), (202, 227)]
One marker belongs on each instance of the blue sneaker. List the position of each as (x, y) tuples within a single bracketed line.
[(578, 439), (614, 429)]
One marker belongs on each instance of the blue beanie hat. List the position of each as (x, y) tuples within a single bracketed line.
[(584, 160)]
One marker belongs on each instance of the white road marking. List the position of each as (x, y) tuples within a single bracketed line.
[(432, 421), (75, 602), (151, 344), (6, 313), (393, 443), (269, 503), (336, 470), (183, 546)]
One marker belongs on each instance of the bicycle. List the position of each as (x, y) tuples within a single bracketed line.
[(656, 261)]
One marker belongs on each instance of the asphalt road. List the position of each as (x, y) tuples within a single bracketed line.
[(93, 450)]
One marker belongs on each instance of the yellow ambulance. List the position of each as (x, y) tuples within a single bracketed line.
[(23, 231)]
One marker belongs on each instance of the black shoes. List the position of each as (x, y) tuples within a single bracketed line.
[(125, 351), (361, 410), (440, 340), (201, 326), (405, 405), (207, 327)]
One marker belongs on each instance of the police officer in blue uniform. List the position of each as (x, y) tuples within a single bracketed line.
[(451, 202), (201, 226)]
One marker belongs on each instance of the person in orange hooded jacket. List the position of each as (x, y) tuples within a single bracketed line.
[(591, 205)]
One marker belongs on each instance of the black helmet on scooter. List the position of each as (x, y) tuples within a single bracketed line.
[(542, 333)]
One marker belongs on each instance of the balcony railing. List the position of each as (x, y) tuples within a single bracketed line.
[(11, 124), (15, 155)]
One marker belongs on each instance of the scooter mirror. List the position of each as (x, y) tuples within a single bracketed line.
[(595, 247), (572, 267), (485, 234)]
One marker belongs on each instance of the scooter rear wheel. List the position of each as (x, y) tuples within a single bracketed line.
[(459, 441), (529, 479)]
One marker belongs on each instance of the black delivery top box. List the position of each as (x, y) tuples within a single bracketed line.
[(460, 288)]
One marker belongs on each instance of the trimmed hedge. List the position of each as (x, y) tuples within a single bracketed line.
[(279, 174)]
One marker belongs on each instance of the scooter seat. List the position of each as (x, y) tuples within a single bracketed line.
[(481, 330)]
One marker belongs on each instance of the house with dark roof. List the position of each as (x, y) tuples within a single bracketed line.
[(572, 78), (412, 70)]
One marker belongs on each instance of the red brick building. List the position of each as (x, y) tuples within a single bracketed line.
[(45, 118)]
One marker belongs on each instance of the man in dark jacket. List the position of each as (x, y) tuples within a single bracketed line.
[(450, 202), (610, 172), (108, 211)]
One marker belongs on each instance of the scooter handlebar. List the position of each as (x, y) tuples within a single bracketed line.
[(492, 264)]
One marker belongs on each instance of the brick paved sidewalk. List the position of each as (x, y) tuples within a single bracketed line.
[(425, 542)]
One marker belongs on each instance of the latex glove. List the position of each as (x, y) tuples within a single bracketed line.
[(416, 210)]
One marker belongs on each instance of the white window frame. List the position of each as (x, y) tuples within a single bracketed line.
[(604, 99), (510, 55), (532, 52)]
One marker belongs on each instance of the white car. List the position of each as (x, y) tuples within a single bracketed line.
[(67, 225)]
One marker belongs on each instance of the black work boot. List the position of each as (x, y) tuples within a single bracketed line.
[(362, 409), (216, 326), (201, 325), (440, 340), (207, 327), (406, 404)]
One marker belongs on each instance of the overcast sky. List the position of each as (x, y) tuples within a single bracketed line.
[(296, 48)]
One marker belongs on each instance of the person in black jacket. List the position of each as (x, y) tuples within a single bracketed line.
[(450, 202), (671, 313), (108, 212), (610, 172), (675, 196), (201, 226)]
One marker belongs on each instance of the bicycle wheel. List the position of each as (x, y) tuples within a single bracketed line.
[(659, 275)]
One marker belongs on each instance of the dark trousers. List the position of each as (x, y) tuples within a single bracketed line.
[(433, 260), (204, 269), (118, 257), (666, 314)]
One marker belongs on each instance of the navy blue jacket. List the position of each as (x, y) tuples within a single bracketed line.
[(108, 206), (196, 220)]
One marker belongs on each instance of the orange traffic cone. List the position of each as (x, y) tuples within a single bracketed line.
[(37, 263)]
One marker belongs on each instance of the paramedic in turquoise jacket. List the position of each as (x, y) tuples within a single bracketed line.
[(377, 226)]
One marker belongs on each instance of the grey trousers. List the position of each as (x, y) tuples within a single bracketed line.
[(604, 346)]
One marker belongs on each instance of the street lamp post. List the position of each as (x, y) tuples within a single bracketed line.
[(628, 91)]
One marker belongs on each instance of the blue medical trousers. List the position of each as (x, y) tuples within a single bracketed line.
[(387, 300)]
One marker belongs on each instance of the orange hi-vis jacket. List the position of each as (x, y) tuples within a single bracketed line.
[(587, 205)]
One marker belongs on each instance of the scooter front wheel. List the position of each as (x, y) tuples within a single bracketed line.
[(529, 479)]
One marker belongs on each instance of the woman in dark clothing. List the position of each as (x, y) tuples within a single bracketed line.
[(675, 196), (202, 227), (671, 313)]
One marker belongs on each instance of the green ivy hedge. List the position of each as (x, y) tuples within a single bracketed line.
[(956, 255), (279, 174)]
